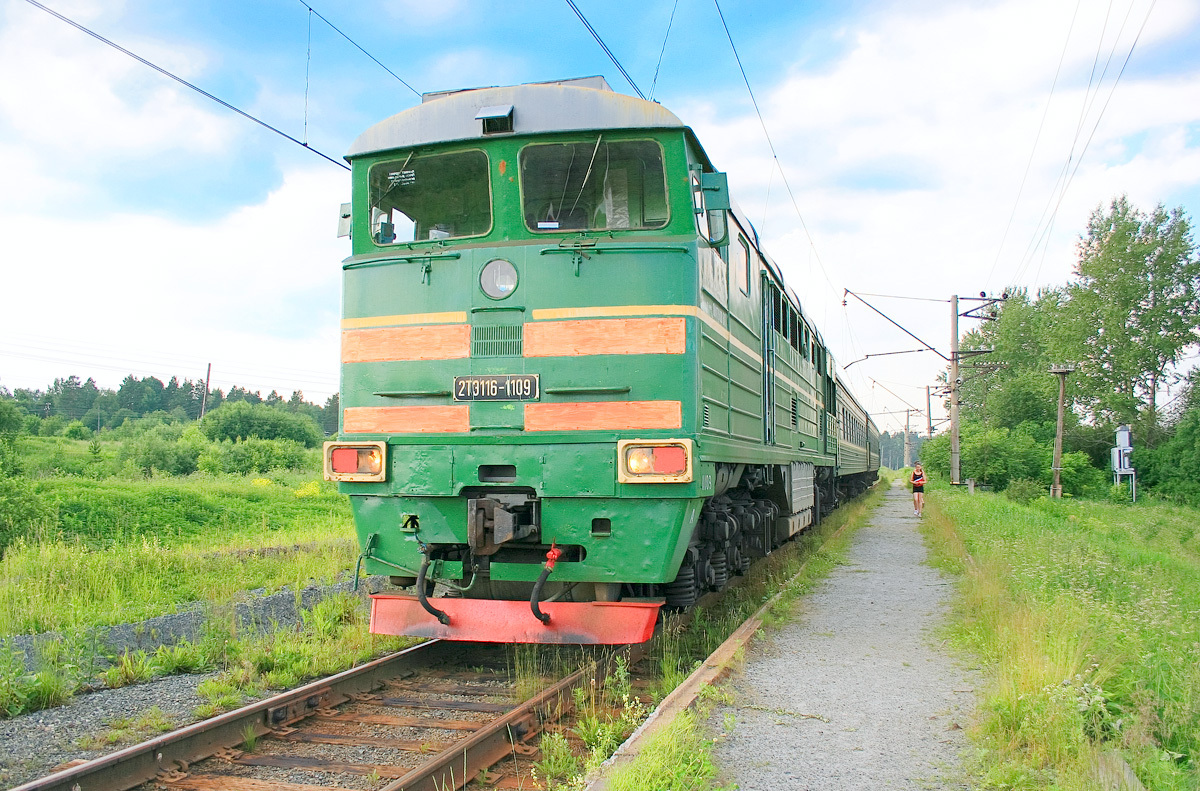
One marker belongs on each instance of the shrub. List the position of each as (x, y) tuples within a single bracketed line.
[(52, 426), (240, 420), (22, 511), (159, 450), (1119, 493), (1024, 491), (254, 456), (12, 420), (76, 430)]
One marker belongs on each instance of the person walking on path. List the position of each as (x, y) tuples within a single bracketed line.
[(857, 690), (917, 481)]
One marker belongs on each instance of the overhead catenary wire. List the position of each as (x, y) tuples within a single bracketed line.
[(901, 296), (358, 46), (1036, 138), (1071, 166), (811, 243), (184, 82), (1096, 125), (657, 66), (307, 70), (74, 353), (1042, 240), (604, 47)]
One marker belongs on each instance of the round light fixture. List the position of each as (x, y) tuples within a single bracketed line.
[(498, 278)]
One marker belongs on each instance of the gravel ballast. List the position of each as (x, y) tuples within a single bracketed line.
[(857, 691), (31, 745)]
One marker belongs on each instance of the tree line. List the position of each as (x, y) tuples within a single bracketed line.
[(68, 400), (1129, 320)]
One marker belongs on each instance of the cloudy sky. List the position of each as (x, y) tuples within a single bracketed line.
[(931, 148)]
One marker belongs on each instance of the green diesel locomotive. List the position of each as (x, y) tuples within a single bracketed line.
[(574, 388)]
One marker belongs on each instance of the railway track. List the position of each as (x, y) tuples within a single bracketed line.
[(435, 716)]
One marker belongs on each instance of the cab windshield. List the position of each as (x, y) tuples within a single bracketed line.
[(422, 197), (594, 186)]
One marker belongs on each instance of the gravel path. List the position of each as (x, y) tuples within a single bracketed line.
[(856, 692)]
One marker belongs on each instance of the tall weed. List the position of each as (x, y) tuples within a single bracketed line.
[(1088, 615)]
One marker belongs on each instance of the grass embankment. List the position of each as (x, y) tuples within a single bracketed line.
[(1087, 617), (105, 552), (679, 757), (119, 551)]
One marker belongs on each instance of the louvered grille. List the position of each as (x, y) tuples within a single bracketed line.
[(497, 341)]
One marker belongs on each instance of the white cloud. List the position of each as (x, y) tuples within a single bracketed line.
[(906, 151), (75, 101), (257, 291)]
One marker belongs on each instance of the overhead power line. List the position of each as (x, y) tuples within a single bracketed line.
[(1036, 138), (1096, 125), (812, 245), (604, 47), (184, 82), (338, 30), (657, 66), (1071, 166)]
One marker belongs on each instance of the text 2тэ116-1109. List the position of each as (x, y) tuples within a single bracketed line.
[(505, 387)]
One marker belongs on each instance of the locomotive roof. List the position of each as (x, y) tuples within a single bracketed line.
[(561, 106)]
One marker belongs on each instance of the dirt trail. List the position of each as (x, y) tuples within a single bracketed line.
[(857, 692)]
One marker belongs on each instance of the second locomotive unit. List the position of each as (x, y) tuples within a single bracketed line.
[(574, 388)]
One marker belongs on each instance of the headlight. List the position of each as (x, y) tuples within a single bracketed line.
[(498, 278), (357, 462), (654, 461)]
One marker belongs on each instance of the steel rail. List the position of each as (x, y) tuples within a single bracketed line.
[(464, 761), (176, 751)]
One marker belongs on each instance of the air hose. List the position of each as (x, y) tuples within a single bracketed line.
[(551, 558), (442, 617)]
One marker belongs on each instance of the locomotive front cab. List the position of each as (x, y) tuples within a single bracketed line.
[(518, 360)]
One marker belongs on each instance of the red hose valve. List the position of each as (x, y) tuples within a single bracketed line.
[(553, 555)]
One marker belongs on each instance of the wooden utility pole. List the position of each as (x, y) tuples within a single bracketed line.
[(204, 397), (907, 438), (1061, 370), (954, 383), (928, 414)]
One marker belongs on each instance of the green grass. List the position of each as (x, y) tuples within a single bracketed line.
[(1087, 617), (677, 758), (68, 587), (127, 730), (137, 549), (196, 510), (334, 636)]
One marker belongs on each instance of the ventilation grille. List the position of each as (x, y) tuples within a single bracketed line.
[(795, 414), (498, 341), (706, 423)]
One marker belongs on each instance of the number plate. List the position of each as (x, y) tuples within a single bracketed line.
[(503, 387)]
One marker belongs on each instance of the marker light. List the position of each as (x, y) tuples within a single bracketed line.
[(360, 462), (654, 461)]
